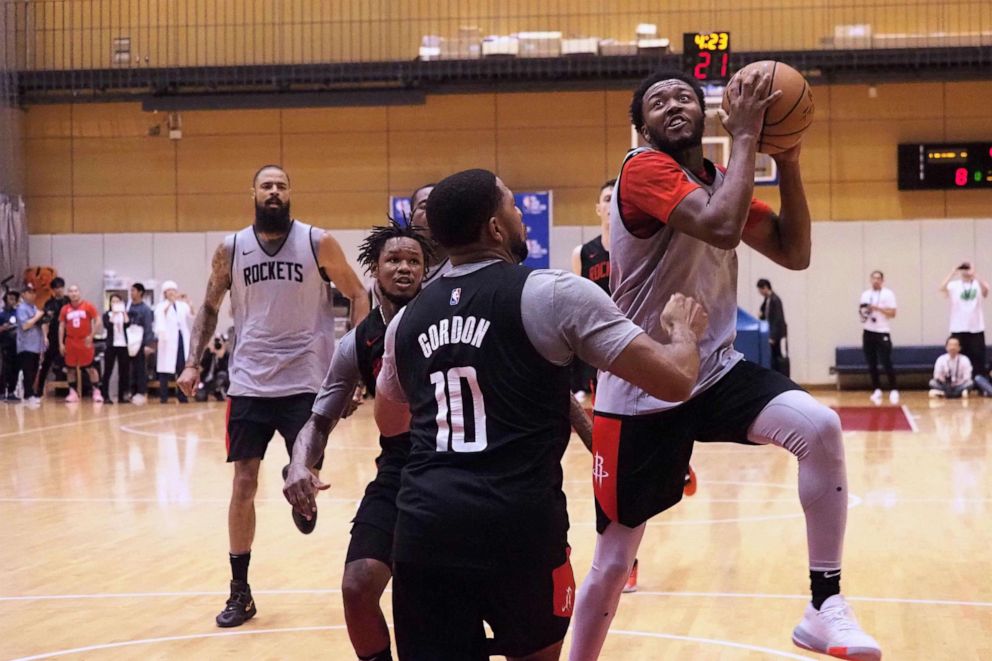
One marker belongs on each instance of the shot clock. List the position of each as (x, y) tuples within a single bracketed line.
[(706, 56), (945, 166)]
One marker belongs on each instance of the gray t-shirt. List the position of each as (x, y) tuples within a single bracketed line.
[(341, 380), (31, 339), (563, 315)]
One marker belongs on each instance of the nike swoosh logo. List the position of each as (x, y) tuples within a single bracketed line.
[(250, 604), (247, 252), (369, 343), (828, 574)]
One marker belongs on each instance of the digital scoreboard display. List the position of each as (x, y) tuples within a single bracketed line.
[(706, 56), (945, 166)]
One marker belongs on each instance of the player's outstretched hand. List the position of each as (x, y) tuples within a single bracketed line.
[(749, 99), (683, 312), (301, 489), (188, 380)]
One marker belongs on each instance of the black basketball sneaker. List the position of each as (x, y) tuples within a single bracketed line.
[(240, 606)]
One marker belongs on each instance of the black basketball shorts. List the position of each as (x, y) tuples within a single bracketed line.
[(640, 462), (252, 421), (375, 520), (438, 612)]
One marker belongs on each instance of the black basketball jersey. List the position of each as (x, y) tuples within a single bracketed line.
[(370, 337), (489, 426), (596, 263)]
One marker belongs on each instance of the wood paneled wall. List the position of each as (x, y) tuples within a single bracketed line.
[(95, 168), (76, 34)]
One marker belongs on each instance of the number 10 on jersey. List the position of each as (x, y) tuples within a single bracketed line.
[(451, 436)]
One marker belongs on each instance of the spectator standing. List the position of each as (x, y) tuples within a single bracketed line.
[(951, 373), (30, 341), (8, 346), (966, 294), (140, 315), (115, 320), (878, 306), (78, 323), (778, 330), (172, 326), (50, 326)]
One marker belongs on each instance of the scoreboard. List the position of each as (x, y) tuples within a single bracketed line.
[(948, 166), (706, 56)]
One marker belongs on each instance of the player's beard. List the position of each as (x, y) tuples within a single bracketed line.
[(519, 250), (674, 147), (272, 219)]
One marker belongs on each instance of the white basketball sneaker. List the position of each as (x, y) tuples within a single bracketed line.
[(876, 397), (834, 630), (894, 397)]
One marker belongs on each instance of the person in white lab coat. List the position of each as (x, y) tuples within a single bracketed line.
[(172, 327)]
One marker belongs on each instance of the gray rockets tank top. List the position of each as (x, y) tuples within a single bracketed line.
[(645, 273), (283, 317)]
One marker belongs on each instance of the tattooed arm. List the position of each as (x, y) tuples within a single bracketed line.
[(580, 422), (206, 318)]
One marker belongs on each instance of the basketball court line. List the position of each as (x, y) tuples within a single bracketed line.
[(911, 419), (642, 593), (337, 627), (168, 639), (76, 423)]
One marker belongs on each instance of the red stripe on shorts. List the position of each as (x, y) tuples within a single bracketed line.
[(227, 427), (605, 450), (563, 582)]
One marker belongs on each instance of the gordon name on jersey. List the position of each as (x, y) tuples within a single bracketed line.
[(273, 270), (466, 330)]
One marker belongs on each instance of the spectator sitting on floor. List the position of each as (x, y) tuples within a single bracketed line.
[(951, 373)]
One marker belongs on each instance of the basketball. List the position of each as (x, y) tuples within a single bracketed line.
[(788, 118)]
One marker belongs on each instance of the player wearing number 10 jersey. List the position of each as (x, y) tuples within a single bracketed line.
[(476, 368)]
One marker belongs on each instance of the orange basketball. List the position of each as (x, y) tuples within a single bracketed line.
[(788, 118)]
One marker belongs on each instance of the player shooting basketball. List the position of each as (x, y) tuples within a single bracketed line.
[(675, 221)]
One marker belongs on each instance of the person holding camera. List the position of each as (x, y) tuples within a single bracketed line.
[(116, 321), (878, 306), (967, 324), (213, 371), (951, 373)]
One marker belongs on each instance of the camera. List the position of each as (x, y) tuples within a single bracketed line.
[(863, 312), (217, 343), (965, 266)]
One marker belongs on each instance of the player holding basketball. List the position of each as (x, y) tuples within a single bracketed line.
[(476, 370), (675, 222), (396, 256), (279, 272), (78, 323)]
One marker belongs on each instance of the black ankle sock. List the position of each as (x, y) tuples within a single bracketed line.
[(384, 655), (823, 586), (239, 566)]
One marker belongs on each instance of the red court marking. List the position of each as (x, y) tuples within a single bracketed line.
[(873, 418)]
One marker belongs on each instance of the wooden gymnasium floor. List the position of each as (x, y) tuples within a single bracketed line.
[(113, 541)]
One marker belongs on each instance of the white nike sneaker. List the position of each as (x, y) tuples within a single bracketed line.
[(833, 630), (894, 397), (876, 396)]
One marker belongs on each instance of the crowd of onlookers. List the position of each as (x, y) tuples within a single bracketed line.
[(67, 342)]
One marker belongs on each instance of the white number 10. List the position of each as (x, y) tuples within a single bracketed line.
[(449, 400)]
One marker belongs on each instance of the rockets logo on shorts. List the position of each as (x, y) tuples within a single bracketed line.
[(456, 295)]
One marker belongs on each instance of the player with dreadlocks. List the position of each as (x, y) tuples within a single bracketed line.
[(396, 257)]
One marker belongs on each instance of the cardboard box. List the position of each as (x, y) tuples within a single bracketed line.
[(460, 49), (613, 47), (539, 44), (580, 46), (653, 46), (500, 46)]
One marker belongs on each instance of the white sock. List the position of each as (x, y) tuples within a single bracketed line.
[(599, 595)]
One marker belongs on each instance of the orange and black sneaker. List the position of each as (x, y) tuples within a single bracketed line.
[(689, 488), (631, 585), (240, 606)]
